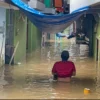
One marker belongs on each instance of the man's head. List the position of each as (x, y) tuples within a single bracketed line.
[(65, 55)]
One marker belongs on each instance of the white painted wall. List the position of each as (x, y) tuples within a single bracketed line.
[(2, 34), (75, 4)]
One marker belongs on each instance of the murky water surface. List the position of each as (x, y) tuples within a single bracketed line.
[(32, 80)]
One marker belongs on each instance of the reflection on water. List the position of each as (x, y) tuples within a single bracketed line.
[(31, 80)]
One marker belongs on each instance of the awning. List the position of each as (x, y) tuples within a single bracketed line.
[(49, 23)]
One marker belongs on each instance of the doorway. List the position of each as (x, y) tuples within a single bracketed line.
[(9, 43)]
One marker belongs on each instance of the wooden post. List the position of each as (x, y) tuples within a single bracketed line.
[(14, 53)]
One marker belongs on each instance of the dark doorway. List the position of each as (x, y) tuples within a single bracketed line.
[(9, 46)]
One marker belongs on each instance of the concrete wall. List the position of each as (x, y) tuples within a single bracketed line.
[(98, 30), (24, 33), (81, 3), (20, 29), (94, 47), (2, 34), (97, 36), (34, 38)]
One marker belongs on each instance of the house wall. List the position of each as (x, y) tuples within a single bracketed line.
[(20, 29), (81, 3), (94, 47), (97, 37), (34, 37), (2, 34)]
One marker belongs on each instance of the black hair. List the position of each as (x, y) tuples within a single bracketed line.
[(65, 55)]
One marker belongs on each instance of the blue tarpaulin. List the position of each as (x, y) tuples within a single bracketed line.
[(49, 23), (59, 34)]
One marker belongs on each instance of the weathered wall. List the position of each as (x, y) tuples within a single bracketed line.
[(81, 3), (97, 36), (34, 38), (2, 34), (20, 29)]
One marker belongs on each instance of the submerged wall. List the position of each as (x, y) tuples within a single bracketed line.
[(34, 38), (2, 35), (97, 47), (24, 34), (20, 29)]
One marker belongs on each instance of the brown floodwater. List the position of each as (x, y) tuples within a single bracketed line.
[(33, 79)]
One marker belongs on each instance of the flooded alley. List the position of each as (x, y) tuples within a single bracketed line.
[(33, 79)]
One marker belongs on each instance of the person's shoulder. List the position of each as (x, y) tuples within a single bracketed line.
[(58, 62), (71, 62)]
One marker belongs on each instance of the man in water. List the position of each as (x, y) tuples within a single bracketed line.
[(64, 70)]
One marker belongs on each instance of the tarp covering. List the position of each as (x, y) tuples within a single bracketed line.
[(49, 23), (59, 34)]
